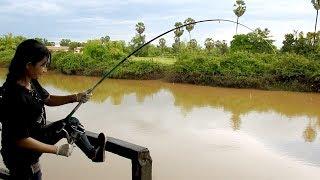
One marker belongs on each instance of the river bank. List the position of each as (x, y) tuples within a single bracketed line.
[(288, 72)]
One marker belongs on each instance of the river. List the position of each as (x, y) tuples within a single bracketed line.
[(192, 132)]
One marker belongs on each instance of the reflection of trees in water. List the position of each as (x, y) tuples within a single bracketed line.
[(242, 101), (115, 89), (187, 97), (235, 121), (116, 99), (310, 133)]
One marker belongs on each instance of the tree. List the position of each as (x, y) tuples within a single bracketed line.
[(176, 44), (209, 44), (105, 39), (74, 45), (10, 42), (45, 41), (65, 42), (240, 8), (177, 33), (316, 5), (193, 44), (140, 27), (139, 39), (288, 43), (51, 43), (189, 27), (256, 42), (299, 43), (95, 50), (162, 44), (222, 46)]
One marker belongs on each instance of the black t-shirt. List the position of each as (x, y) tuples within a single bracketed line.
[(24, 116)]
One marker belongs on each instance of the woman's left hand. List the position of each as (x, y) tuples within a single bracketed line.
[(84, 96)]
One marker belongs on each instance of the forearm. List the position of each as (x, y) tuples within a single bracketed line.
[(37, 146), (60, 100)]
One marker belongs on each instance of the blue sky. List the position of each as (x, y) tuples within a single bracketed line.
[(81, 20)]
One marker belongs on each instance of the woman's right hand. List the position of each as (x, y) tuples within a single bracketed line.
[(64, 150), (83, 97)]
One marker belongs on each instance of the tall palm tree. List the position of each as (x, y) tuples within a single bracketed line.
[(162, 44), (316, 5), (240, 8), (140, 28), (178, 32), (189, 27)]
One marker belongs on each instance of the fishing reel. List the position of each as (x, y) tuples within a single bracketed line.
[(72, 129)]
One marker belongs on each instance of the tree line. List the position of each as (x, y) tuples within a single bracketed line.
[(250, 61)]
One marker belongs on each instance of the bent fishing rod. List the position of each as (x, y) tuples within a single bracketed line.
[(127, 57)]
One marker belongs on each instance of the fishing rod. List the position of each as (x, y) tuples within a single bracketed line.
[(122, 61)]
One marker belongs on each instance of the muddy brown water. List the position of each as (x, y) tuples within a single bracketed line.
[(192, 132)]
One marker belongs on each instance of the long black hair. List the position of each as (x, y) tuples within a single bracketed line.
[(29, 51)]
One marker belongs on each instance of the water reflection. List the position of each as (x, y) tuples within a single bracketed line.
[(223, 123), (238, 102), (310, 132)]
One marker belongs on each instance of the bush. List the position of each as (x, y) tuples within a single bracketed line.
[(290, 67), (6, 57), (242, 64), (108, 51), (243, 69), (71, 63), (141, 70)]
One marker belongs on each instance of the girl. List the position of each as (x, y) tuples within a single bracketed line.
[(25, 133)]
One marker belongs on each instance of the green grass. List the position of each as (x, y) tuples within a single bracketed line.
[(167, 61)]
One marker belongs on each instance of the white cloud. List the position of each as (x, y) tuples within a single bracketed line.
[(83, 19), (31, 7), (165, 2)]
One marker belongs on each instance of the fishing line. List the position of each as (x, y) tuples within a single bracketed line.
[(122, 61)]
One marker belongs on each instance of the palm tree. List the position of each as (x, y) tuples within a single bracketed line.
[(240, 8), (139, 39), (193, 43), (178, 32), (140, 28), (209, 44), (316, 5), (189, 27), (162, 44), (105, 39)]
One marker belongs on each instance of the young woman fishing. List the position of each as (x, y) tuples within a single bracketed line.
[(25, 132)]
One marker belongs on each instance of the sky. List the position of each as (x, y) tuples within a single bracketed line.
[(81, 20)]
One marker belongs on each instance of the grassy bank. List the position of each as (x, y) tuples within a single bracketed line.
[(236, 70), (246, 70)]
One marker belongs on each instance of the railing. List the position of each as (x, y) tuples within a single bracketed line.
[(140, 156)]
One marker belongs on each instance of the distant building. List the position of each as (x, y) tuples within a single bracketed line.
[(78, 50), (58, 48), (64, 49)]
